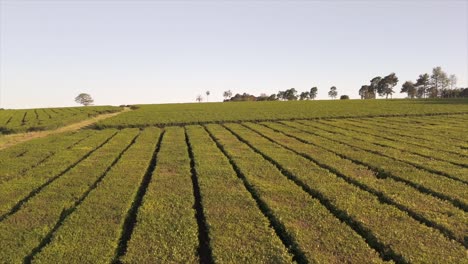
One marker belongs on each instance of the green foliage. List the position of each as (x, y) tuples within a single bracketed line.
[(284, 199), (56, 200), (84, 99), (181, 114), (333, 93), (89, 225), (238, 230), (17, 121), (166, 228), (403, 196), (324, 181)]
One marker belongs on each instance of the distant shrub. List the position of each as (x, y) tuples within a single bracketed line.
[(344, 97)]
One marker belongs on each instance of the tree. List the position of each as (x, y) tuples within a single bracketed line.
[(453, 81), (207, 94), (304, 96), (313, 93), (84, 99), (227, 94), (374, 84), (385, 86), (409, 88), (367, 92), (280, 95), (333, 93), (199, 98), (288, 95), (272, 97), (422, 84), (344, 97), (438, 82)]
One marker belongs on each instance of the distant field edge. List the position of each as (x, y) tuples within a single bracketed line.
[(98, 126)]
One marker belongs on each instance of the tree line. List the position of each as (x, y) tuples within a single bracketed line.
[(437, 85), (287, 95)]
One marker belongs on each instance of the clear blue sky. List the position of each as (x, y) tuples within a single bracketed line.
[(127, 52)]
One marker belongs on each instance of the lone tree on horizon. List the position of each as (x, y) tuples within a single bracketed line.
[(207, 94), (333, 93), (313, 93), (84, 99), (199, 98), (227, 94)]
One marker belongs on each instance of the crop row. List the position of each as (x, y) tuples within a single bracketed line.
[(454, 122), (415, 135), (166, 228), (15, 165), (390, 230), (184, 114), (316, 233), (15, 191), (15, 121), (423, 207), (389, 139), (24, 232), (270, 192), (98, 223), (368, 143), (237, 229), (437, 185)]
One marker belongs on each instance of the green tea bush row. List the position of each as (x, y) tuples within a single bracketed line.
[(434, 184), (316, 231), (238, 231), (166, 228), (97, 223), (183, 114), (368, 143), (24, 233), (413, 136), (397, 235), (17, 189), (16, 166), (425, 208), (402, 143), (16, 121)]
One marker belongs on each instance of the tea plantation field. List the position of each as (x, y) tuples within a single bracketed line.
[(16, 121), (241, 183)]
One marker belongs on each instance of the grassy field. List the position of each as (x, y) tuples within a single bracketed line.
[(17, 121), (196, 113), (308, 187)]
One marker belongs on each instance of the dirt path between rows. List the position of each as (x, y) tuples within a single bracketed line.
[(13, 139)]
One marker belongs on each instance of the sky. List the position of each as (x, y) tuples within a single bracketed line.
[(140, 52)]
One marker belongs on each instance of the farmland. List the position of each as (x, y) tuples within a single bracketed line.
[(17, 121), (279, 182), (183, 114)]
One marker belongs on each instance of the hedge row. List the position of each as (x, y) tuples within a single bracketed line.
[(166, 228), (97, 223), (402, 143), (369, 143), (25, 232), (16, 165), (316, 232), (425, 208), (443, 187), (238, 231), (413, 136), (15, 191)]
